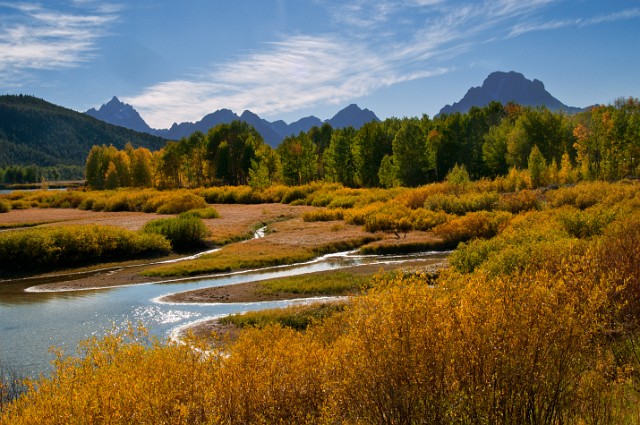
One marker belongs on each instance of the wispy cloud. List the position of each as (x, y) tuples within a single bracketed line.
[(34, 37), (374, 43), (289, 75), (524, 28)]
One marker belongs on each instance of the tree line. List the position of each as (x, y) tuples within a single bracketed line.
[(26, 174), (602, 143)]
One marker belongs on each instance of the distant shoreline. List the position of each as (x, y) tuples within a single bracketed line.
[(49, 185)]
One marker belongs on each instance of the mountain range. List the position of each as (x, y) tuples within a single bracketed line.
[(119, 113), (506, 87), (33, 131), (503, 87)]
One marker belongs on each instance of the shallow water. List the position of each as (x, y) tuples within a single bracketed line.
[(31, 322)]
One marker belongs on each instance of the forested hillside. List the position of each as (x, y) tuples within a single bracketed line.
[(35, 132)]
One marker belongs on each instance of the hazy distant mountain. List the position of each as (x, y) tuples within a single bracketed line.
[(507, 87), (303, 125), (185, 129), (33, 131), (264, 127), (352, 116), (118, 113)]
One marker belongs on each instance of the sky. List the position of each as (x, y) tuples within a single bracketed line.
[(176, 61)]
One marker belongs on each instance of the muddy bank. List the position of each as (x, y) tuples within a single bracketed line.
[(252, 291)]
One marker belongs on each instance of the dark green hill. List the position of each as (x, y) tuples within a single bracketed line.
[(33, 131)]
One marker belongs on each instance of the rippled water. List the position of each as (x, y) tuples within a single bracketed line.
[(31, 322)]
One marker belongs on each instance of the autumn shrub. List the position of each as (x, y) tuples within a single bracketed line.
[(586, 194), (122, 378), (54, 198), (284, 386), (323, 215), (527, 240), (68, 245), (231, 195), (273, 193), (415, 198), (462, 204), (175, 203), (12, 384), (514, 181), (343, 202), (585, 223), (358, 216), (4, 206), (616, 258), (468, 350), (185, 232), (515, 202), (481, 224), (402, 246), (22, 205), (294, 194), (424, 219)]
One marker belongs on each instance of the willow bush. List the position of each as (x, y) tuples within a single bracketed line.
[(185, 232), (48, 247)]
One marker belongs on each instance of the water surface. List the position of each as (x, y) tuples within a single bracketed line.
[(31, 322)]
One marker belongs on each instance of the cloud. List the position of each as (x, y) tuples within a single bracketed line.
[(576, 22), (33, 37), (373, 44), (288, 75)]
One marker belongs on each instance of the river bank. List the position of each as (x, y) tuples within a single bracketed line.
[(287, 237)]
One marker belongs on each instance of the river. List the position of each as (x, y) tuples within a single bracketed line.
[(32, 322)]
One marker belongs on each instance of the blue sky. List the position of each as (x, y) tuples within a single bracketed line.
[(176, 61)]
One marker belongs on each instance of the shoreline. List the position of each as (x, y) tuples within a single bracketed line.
[(249, 292)]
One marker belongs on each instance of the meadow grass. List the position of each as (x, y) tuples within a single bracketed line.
[(298, 317), (335, 283)]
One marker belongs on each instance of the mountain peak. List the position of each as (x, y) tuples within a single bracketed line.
[(352, 116), (505, 87), (118, 113)]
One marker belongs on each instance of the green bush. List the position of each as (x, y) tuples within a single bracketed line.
[(203, 213), (4, 206), (49, 247), (184, 232)]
